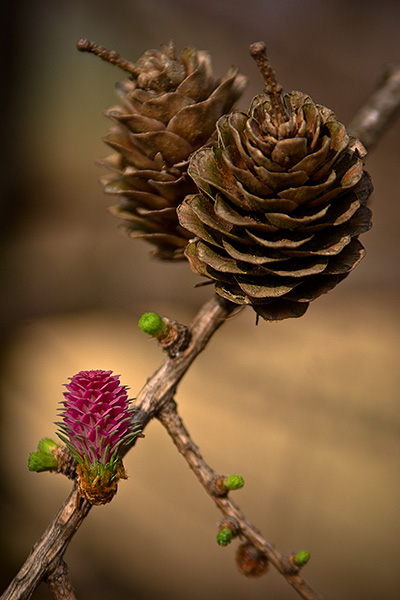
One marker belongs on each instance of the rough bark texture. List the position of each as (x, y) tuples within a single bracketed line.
[(47, 554)]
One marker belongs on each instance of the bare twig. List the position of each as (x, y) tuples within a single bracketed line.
[(205, 474), (48, 552), (60, 584), (375, 116)]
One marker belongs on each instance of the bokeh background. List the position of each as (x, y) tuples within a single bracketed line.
[(306, 410)]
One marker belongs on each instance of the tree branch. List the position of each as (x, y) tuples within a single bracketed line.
[(48, 552), (44, 562), (375, 116), (60, 584), (160, 388), (172, 422), (46, 559)]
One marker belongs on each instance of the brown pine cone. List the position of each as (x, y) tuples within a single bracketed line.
[(282, 203), (169, 108)]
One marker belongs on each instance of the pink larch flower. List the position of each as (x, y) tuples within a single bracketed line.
[(97, 428)]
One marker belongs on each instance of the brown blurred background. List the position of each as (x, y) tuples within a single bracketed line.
[(308, 407)]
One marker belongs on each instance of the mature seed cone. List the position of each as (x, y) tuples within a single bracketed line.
[(170, 107), (282, 203)]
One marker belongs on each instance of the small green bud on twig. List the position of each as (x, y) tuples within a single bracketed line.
[(234, 482), (44, 459), (302, 557), (229, 528), (173, 337), (292, 562), (224, 536), (47, 445), (223, 484), (152, 324)]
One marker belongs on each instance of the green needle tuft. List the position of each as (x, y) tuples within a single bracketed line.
[(47, 445), (42, 461)]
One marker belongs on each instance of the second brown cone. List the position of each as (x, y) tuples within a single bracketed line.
[(169, 108)]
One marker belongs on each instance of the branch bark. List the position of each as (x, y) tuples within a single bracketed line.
[(47, 554), (60, 584), (160, 388), (156, 399), (172, 422), (379, 111)]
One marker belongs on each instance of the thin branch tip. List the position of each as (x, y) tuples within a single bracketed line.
[(110, 56), (257, 48), (83, 45)]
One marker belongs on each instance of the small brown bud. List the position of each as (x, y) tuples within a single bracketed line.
[(218, 486), (251, 561), (176, 338), (292, 562)]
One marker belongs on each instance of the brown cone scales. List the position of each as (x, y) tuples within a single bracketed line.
[(169, 108), (282, 203)]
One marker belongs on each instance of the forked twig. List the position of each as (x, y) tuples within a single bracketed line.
[(172, 422), (45, 563)]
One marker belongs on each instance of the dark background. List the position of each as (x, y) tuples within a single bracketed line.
[(305, 410)]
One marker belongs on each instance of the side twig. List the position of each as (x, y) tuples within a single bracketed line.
[(172, 422), (60, 584), (375, 116), (160, 388), (46, 559)]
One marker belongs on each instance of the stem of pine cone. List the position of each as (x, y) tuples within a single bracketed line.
[(273, 89), (110, 56), (47, 555)]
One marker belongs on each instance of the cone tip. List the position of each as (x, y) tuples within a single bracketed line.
[(257, 48), (84, 45)]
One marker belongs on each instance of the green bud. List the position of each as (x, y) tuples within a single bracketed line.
[(42, 461), (47, 445), (152, 324), (234, 482), (224, 536), (302, 558)]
